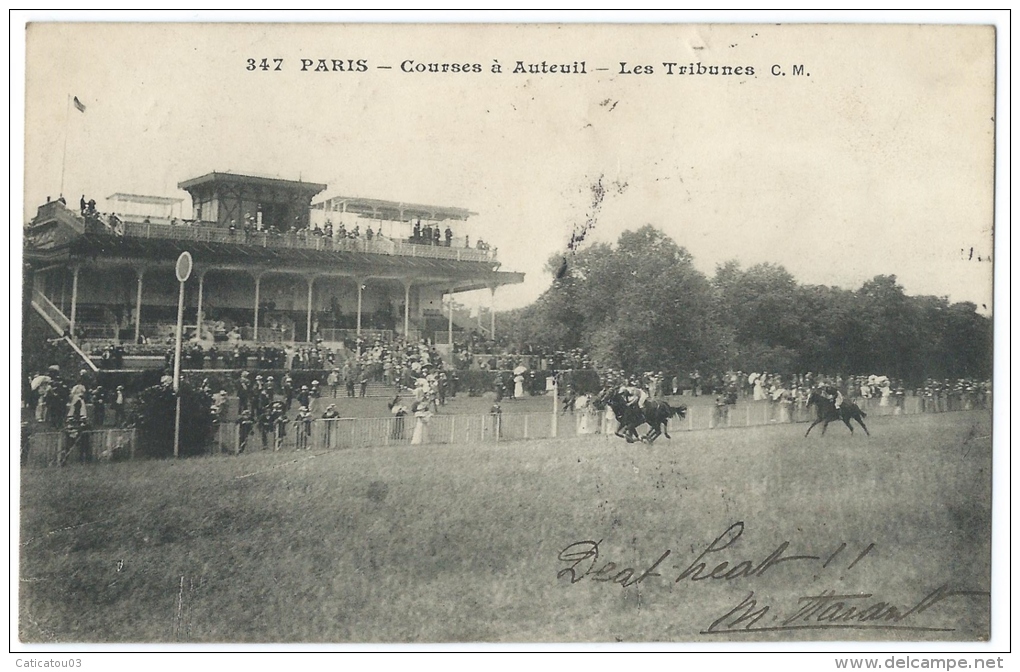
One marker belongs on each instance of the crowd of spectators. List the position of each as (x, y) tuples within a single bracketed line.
[(298, 230), (289, 357), (436, 236), (472, 350), (109, 357), (401, 361), (962, 394), (792, 391), (59, 401)]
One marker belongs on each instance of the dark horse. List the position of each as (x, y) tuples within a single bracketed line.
[(827, 413), (655, 414)]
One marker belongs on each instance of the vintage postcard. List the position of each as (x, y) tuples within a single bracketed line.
[(559, 333)]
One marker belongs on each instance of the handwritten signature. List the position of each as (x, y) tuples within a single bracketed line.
[(831, 610)]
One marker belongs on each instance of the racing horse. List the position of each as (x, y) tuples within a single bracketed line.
[(627, 417), (655, 414), (827, 412)]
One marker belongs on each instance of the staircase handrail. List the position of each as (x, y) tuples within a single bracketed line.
[(56, 318)]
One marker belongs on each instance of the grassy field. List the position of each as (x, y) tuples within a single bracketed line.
[(462, 543)]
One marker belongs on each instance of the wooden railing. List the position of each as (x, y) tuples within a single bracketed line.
[(207, 232)]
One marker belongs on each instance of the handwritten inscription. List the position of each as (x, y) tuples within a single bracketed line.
[(584, 560), (583, 557), (831, 610), (719, 561)]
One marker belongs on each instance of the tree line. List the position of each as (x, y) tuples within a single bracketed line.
[(641, 305)]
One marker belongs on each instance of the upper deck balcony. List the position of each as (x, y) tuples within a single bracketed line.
[(303, 240), (187, 230)]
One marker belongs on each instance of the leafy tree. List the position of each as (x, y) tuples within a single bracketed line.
[(641, 305), (968, 342), (638, 305)]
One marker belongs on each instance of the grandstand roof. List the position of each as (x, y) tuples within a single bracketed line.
[(255, 180), (141, 198), (397, 211)]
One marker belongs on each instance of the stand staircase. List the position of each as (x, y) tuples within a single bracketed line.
[(60, 323)]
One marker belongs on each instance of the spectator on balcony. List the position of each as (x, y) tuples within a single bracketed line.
[(436, 236), (415, 235), (449, 236), (426, 234), (369, 234)]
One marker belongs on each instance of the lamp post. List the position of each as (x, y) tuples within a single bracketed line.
[(183, 270)]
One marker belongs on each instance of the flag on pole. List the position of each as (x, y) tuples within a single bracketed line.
[(78, 104)]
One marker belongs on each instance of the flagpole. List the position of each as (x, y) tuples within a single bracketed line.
[(63, 161)]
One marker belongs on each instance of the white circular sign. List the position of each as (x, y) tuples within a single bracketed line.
[(184, 265)]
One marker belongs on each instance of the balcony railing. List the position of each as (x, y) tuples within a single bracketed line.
[(209, 233)]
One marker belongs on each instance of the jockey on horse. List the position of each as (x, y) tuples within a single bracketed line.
[(634, 394), (633, 406), (831, 406), (834, 395)]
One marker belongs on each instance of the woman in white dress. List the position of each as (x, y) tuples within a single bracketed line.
[(421, 424), (584, 425), (759, 389), (609, 422), (519, 386), (885, 389)]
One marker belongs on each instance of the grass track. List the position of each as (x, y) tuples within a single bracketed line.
[(460, 543)]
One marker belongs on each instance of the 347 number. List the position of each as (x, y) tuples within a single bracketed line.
[(267, 64)]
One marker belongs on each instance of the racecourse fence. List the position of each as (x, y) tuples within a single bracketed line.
[(58, 448), (54, 449)]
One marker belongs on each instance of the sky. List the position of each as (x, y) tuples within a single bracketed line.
[(877, 160)]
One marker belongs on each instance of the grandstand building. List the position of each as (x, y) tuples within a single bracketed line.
[(269, 265)]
